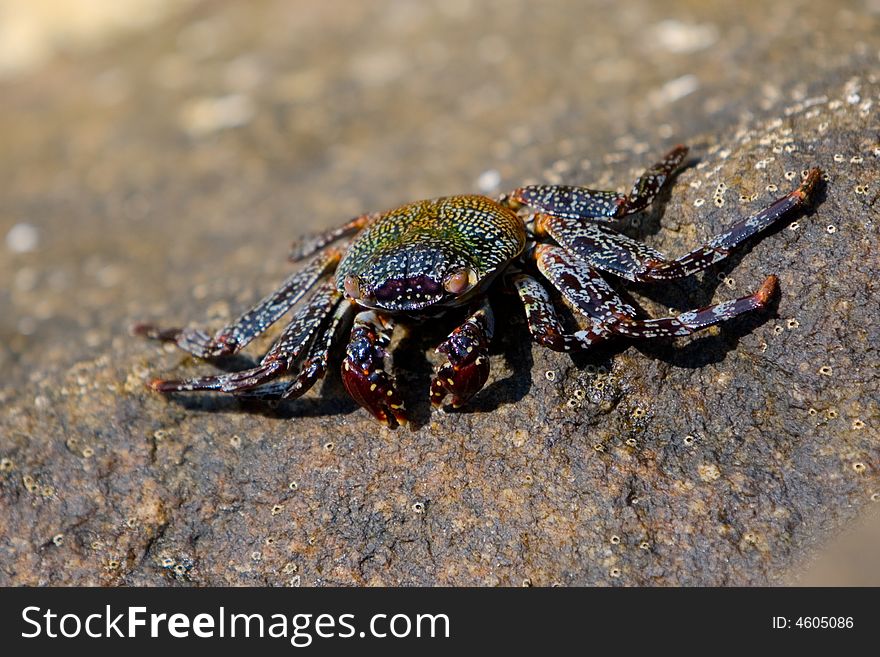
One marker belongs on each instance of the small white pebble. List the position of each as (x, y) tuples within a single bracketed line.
[(683, 38), (674, 90), (203, 116), (489, 181), (22, 238)]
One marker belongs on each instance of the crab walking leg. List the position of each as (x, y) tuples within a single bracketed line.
[(295, 340), (581, 203), (467, 359), (586, 291), (581, 286), (694, 320), (544, 324), (363, 370), (304, 247), (618, 254), (252, 323), (314, 365), (268, 392)]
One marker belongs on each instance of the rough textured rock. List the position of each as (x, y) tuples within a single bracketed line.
[(164, 177)]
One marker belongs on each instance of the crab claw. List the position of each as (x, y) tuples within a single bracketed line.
[(462, 382), (375, 392), (366, 380), (466, 368)]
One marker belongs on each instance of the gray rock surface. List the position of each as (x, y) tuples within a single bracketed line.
[(162, 179)]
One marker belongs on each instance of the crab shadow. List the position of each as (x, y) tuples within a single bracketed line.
[(332, 400), (706, 349), (412, 370), (327, 403)]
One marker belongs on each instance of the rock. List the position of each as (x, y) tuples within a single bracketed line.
[(725, 458)]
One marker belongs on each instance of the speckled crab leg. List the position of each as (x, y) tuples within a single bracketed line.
[(306, 246), (618, 254), (289, 348), (572, 202), (467, 359), (252, 323), (543, 322), (314, 365), (587, 292), (363, 370)]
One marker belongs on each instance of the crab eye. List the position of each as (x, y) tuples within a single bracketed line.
[(460, 280), (352, 286)]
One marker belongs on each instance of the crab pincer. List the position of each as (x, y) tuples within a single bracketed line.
[(467, 362), (363, 370)]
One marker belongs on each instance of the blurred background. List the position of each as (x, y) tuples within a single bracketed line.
[(155, 154)]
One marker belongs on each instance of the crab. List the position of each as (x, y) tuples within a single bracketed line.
[(430, 258)]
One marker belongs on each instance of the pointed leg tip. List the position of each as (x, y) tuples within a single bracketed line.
[(139, 329), (153, 332), (172, 385), (768, 289), (673, 158), (158, 385), (809, 184), (147, 330)]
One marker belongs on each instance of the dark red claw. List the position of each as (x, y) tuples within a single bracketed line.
[(462, 382), (375, 392), (467, 365), (363, 371)]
